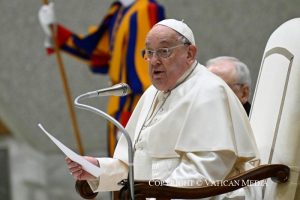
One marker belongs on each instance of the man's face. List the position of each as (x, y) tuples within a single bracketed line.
[(164, 72), (227, 71)]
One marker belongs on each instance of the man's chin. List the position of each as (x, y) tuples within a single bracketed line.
[(159, 86)]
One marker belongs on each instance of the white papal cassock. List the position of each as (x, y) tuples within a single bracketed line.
[(195, 133)]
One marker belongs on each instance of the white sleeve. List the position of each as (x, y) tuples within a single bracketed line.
[(114, 171), (199, 168)]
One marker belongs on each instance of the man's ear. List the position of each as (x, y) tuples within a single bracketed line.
[(192, 52), (245, 93)]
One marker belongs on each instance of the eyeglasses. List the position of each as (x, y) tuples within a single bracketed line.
[(235, 85), (160, 53)]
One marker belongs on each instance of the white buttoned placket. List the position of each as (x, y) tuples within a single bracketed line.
[(142, 170)]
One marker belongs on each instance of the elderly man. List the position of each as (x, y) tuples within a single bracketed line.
[(236, 74), (188, 127)]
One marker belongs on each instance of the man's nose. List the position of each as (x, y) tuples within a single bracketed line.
[(155, 58)]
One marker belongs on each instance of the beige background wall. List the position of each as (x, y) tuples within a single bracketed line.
[(31, 89)]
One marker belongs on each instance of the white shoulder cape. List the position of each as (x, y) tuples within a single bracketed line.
[(203, 114)]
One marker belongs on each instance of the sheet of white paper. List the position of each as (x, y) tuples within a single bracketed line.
[(87, 166)]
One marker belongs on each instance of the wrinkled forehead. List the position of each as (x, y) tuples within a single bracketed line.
[(225, 70), (162, 35)]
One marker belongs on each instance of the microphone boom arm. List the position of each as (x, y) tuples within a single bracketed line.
[(120, 127)]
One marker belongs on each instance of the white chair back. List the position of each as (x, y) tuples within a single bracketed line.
[(275, 114)]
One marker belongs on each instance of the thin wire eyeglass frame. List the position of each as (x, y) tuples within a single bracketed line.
[(160, 52)]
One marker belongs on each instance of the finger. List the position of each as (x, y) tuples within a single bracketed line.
[(75, 169), (71, 163), (74, 165), (68, 160), (77, 174)]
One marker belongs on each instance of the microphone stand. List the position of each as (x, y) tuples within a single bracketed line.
[(120, 127)]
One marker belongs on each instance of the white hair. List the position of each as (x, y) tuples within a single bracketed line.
[(242, 71)]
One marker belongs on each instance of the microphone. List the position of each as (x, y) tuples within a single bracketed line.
[(120, 89)]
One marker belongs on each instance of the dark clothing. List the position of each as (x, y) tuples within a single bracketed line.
[(247, 107)]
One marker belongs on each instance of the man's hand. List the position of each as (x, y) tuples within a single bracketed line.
[(76, 170), (47, 18)]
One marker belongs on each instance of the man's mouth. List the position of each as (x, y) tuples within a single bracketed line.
[(157, 72)]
